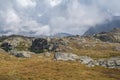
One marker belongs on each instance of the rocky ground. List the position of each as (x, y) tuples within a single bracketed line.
[(87, 54)]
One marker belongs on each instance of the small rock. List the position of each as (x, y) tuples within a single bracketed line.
[(91, 64), (102, 62), (96, 63), (118, 62), (47, 54), (111, 64), (85, 59)]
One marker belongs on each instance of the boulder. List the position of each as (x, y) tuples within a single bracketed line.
[(96, 63), (39, 45), (18, 42), (6, 46), (21, 54), (85, 59), (65, 56), (102, 62), (58, 45), (91, 64), (107, 63)]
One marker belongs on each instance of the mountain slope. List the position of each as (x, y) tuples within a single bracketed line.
[(112, 36), (105, 27)]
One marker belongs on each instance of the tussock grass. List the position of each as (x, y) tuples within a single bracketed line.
[(94, 50), (41, 68)]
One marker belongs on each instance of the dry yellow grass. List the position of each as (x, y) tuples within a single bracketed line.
[(41, 68), (94, 50)]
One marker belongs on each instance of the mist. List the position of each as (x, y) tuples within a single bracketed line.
[(46, 17)]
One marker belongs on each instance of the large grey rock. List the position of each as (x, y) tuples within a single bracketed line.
[(21, 54), (87, 60), (107, 63), (65, 56), (24, 55)]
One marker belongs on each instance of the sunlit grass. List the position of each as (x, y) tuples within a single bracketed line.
[(41, 68)]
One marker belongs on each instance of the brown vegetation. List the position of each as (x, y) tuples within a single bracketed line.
[(43, 68)]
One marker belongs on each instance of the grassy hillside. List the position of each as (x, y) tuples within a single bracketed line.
[(93, 48), (43, 68), (40, 67)]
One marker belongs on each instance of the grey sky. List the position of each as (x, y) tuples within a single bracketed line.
[(36, 17)]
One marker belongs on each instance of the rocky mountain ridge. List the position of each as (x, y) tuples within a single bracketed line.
[(105, 27), (112, 36)]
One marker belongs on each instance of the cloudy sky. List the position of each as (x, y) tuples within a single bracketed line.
[(36, 17)]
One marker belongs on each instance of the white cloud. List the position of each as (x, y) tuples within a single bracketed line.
[(12, 17), (27, 3), (54, 2), (39, 15), (29, 26), (78, 18), (43, 30)]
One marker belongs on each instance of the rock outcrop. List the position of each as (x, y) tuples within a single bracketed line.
[(18, 42), (112, 36), (107, 63), (65, 56), (57, 45), (6, 46), (87, 61), (39, 45)]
